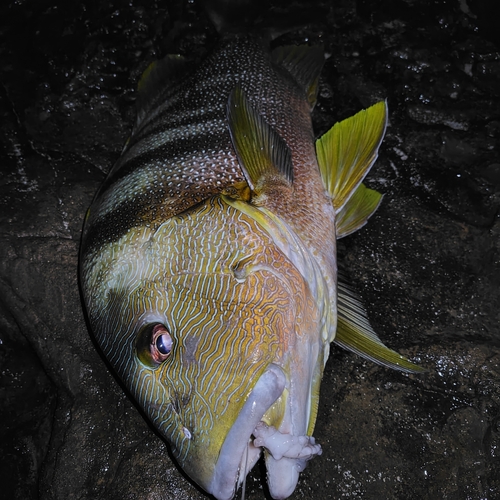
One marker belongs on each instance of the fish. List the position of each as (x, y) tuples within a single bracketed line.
[(208, 263)]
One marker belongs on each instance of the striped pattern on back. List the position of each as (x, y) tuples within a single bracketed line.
[(181, 153)]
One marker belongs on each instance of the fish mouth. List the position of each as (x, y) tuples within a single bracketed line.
[(238, 455)]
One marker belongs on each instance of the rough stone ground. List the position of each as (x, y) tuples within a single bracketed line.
[(427, 265)]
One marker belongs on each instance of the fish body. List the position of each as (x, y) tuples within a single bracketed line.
[(208, 260)]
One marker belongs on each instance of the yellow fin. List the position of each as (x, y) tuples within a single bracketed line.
[(359, 208), (355, 333), (157, 81), (348, 150), (260, 149)]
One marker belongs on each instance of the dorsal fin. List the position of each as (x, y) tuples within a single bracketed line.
[(355, 333), (359, 208), (348, 150), (158, 77), (260, 149), (304, 63)]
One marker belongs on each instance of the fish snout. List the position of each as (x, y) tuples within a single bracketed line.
[(238, 455)]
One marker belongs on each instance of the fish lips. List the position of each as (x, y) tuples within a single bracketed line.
[(233, 463)]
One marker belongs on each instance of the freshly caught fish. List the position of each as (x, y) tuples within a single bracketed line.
[(208, 259)]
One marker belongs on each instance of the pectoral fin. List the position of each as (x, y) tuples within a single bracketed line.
[(348, 150), (355, 334), (263, 155)]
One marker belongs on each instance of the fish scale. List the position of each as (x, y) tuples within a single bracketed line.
[(154, 178), (208, 258)]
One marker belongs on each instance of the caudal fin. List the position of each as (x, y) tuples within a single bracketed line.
[(345, 155)]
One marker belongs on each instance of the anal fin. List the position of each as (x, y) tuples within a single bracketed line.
[(304, 63)]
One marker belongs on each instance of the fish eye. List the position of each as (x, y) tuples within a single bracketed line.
[(161, 343), (154, 344)]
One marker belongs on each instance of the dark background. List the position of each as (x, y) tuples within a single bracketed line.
[(427, 264)]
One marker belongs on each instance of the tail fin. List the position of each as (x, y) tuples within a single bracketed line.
[(349, 149)]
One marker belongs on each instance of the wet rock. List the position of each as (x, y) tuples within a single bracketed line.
[(427, 116), (427, 265), (28, 402)]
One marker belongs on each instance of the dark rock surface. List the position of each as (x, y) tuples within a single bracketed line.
[(427, 264)]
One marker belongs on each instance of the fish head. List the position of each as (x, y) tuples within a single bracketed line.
[(214, 332)]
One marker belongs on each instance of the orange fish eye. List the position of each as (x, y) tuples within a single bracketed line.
[(161, 343), (154, 344)]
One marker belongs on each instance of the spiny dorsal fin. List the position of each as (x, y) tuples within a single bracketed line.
[(355, 333), (304, 63), (260, 150), (348, 150), (359, 208), (158, 77)]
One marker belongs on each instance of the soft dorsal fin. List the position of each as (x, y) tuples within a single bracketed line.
[(359, 208), (261, 151), (155, 83), (348, 150), (355, 333), (304, 63)]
